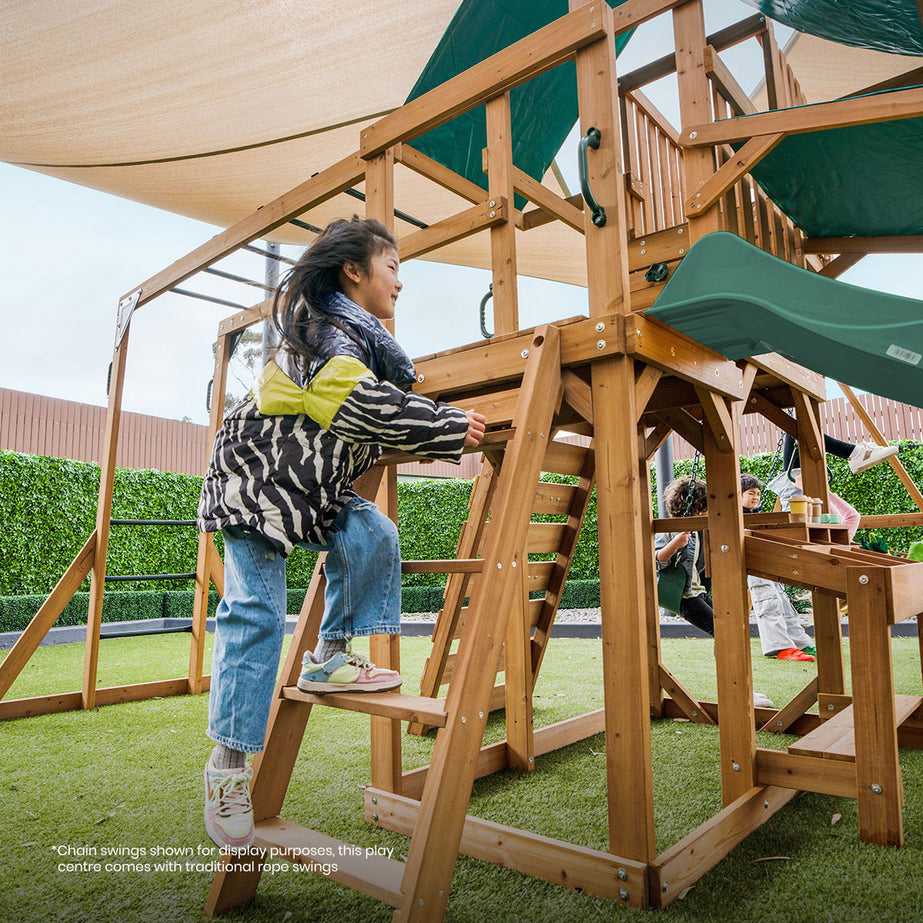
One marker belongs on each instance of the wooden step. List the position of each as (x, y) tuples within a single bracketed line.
[(835, 739), (384, 704), (352, 866)]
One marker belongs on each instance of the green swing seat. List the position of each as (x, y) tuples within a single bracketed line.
[(741, 301)]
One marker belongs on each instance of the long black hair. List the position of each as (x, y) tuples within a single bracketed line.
[(301, 296)]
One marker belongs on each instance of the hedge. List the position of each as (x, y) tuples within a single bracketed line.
[(48, 509)]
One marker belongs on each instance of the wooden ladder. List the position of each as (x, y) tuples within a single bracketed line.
[(543, 576), (496, 617)]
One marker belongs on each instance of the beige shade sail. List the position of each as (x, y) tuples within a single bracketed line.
[(212, 108)]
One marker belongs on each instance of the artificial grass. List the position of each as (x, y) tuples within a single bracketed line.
[(128, 777)]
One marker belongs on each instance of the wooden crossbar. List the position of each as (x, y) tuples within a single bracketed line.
[(385, 704)]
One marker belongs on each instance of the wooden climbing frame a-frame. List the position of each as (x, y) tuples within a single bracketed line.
[(626, 381)]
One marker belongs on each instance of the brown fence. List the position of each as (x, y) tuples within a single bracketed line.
[(67, 429)]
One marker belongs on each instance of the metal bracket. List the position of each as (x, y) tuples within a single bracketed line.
[(126, 309)]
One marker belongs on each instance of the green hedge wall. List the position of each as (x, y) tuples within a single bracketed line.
[(48, 509)]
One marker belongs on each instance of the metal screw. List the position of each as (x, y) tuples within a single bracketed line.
[(374, 801), (638, 331), (643, 251), (665, 887), (419, 378), (623, 875), (525, 354), (514, 563), (681, 251), (480, 714), (876, 789), (493, 214), (600, 327), (829, 708), (724, 548), (695, 714), (735, 767), (766, 804), (374, 817), (778, 724), (693, 134), (499, 566), (680, 231), (464, 720), (863, 579), (493, 202), (623, 894), (600, 344)]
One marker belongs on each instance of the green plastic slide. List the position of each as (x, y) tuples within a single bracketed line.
[(740, 302)]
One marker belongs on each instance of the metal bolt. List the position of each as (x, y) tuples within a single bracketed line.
[(623, 875), (681, 251), (623, 894), (693, 134), (525, 354), (829, 708), (374, 801), (695, 714), (876, 789), (493, 202), (680, 231), (766, 804), (514, 563), (735, 767), (499, 566), (480, 714), (643, 251), (374, 817), (863, 579), (600, 327), (672, 350), (778, 724), (638, 331), (665, 887), (493, 214), (600, 344), (419, 378), (464, 720), (725, 548)]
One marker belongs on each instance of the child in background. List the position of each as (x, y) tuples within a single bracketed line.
[(781, 633), (685, 549), (281, 475)]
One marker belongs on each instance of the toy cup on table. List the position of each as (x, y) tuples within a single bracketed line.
[(798, 506)]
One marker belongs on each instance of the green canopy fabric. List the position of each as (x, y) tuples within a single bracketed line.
[(741, 301), (883, 25), (866, 180), (543, 110)]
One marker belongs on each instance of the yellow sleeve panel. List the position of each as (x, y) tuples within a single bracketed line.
[(276, 393)]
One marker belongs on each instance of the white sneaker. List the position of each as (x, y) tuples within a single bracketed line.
[(867, 454), (228, 811), (762, 701)]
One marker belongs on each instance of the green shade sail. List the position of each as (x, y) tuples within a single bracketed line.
[(866, 180), (883, 25), (740, 302), (543, 110)]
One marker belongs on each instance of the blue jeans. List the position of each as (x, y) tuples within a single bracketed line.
[(363, 597)]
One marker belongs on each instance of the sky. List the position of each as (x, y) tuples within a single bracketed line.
[(68, 253)]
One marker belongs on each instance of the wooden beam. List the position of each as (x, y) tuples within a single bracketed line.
[(864, 245), (805, 773), (720, 419), (783, 719), (543, 197), (414, 160), (684, 863), (646, 381), (33, 635), (836, 267), (527, 58), (321, 187), (536, 217), (899, 104), (578, 394), (686, 425), (656, 438), (726, 83), (790, 373), (730, 173), (758, 403), (725, 38), (894, 462), (489, 214)]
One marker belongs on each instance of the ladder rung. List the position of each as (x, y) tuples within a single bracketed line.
[(835, 739), (545, 537), (554, 499), (444, 566), (377, 876), (564, 458), (384, 704)]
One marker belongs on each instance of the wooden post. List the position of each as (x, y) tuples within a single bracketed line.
[(729, 593), (518, 681), (694, 107), (207, 553), (384, 650), (103, 515), (622, 545), (651, 604), (502, 237), (878, 773)]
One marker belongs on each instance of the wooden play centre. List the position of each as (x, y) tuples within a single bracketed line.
[(712, 292)]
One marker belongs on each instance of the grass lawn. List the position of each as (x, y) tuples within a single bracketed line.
[(127, 779)]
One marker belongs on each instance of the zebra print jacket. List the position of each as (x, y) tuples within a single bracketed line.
[(286, 456)]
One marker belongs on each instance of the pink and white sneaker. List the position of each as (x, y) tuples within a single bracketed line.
[(228, 810), (345, 672)]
